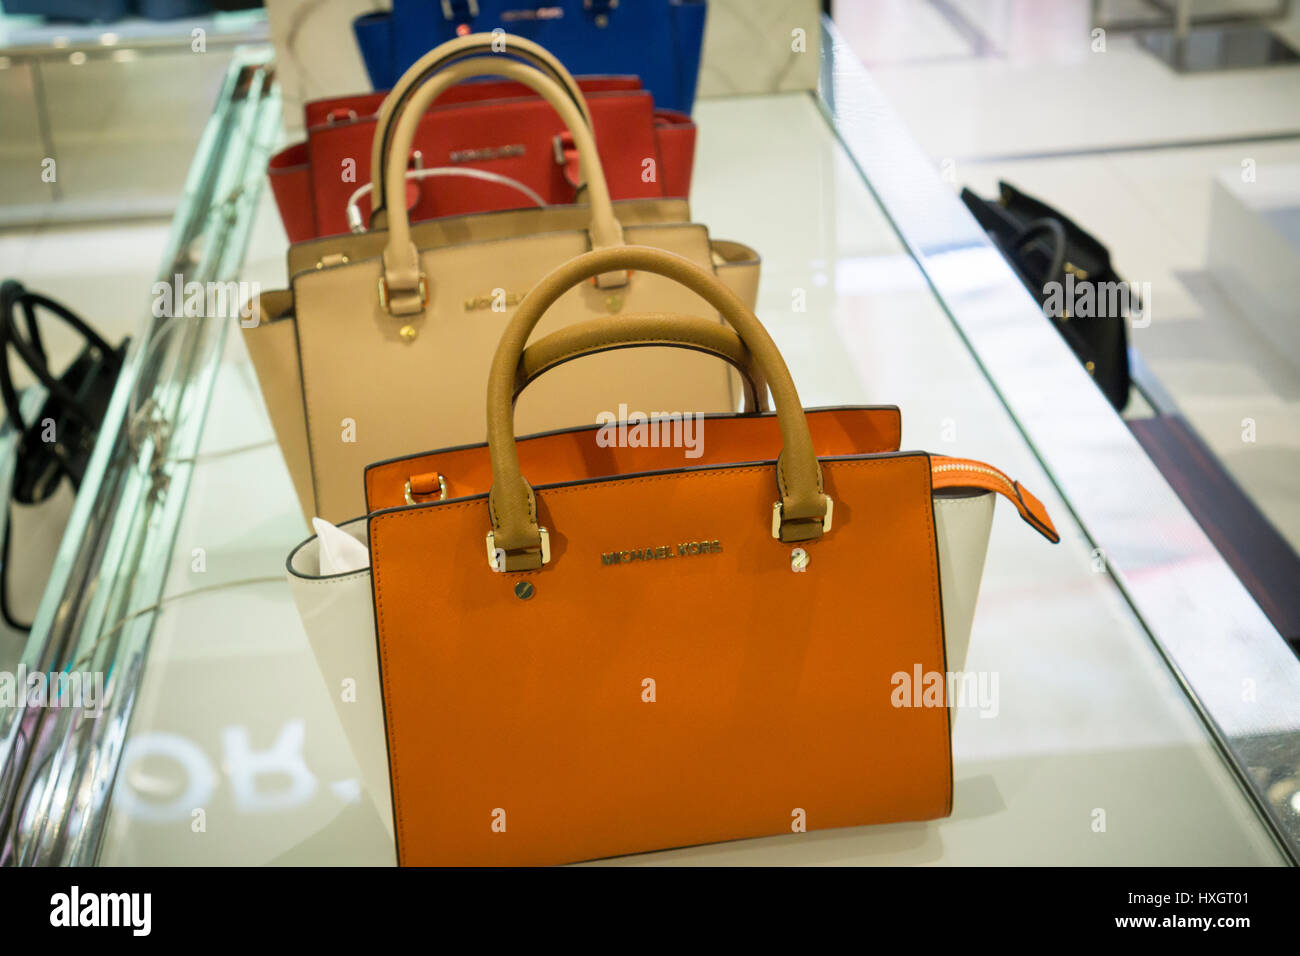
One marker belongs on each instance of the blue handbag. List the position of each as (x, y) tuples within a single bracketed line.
[(657, 40)]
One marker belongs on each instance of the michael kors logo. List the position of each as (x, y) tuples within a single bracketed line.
[(498, 301), (485, 152), (662, 553), (541, 13)]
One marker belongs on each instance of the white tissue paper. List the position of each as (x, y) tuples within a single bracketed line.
[(340, 553)]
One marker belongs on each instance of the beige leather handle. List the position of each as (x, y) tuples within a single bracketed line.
[(516, 543), (644, 331), (438, 59), (403, 290)]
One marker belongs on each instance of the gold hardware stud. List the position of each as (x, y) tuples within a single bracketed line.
[(408, 333), (1091, 367), (613, 302)]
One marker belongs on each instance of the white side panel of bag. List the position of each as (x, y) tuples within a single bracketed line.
[(338, 615), (962, 523), (35, 533)]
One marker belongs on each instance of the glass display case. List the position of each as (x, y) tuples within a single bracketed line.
[(1147, 712)]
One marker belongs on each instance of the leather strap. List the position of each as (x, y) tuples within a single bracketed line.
[(644, 331), (515, 532), (438, 59), (1054, 233), (405, 289), (32, 351), (949, 472)]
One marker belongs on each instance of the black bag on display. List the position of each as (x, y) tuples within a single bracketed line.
[(1044, 246), (45, 453)]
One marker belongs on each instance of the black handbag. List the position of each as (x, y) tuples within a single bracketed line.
[(1044, 246), (50, 450)]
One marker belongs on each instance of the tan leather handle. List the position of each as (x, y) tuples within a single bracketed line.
[(403, 290), (643, 331), (516, 543), (438, 59)]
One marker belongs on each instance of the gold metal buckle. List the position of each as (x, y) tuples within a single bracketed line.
[(826, 518), (492, 548), (442, 490), (383, 293)]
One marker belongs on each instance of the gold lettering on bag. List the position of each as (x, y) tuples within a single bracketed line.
[(483, 153), (497, 303), (684, 549), (541, 13)]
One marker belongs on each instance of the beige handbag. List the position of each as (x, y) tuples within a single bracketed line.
[(385, 339)]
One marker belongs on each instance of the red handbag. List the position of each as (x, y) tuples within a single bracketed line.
[(496, 126)]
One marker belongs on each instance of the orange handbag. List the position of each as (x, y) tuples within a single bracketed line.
[(635, 661)]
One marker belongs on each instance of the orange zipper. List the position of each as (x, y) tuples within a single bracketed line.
[(968, 473), (944, 473)]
